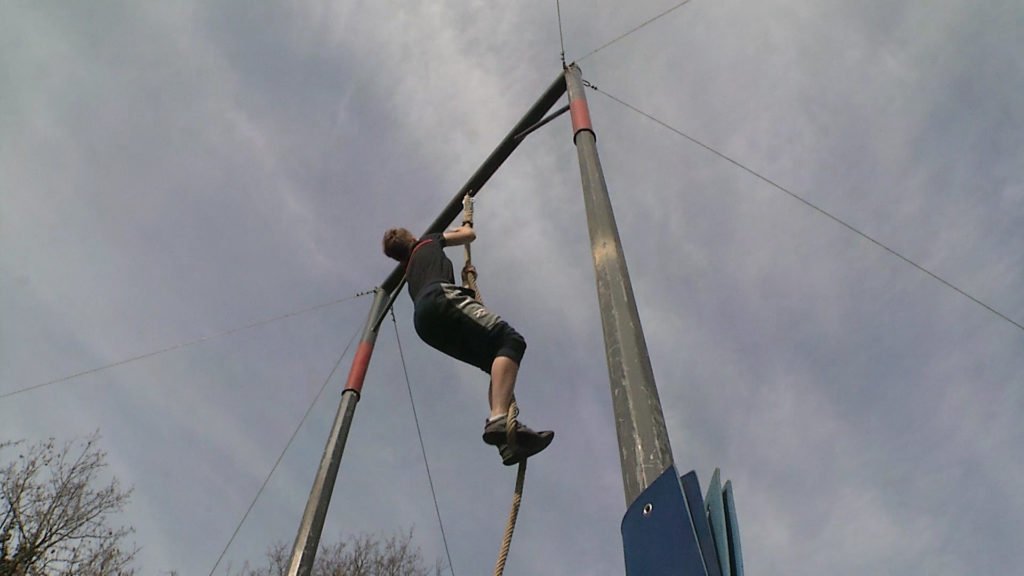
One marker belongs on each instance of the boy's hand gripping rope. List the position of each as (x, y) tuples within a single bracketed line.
[(469, 281)]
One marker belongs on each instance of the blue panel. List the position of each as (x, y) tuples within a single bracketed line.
[(657, 534), (733, 526), (691, 489), (716, 516)]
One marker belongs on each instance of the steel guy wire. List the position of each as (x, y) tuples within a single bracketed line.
[(183, 345), (286, 446), (811, 205)]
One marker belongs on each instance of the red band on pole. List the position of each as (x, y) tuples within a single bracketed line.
[(580, 114), (360, 363)]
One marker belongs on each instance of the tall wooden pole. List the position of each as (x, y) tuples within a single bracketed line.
[(644, 449)]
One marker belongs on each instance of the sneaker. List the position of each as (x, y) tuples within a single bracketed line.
[(511, 456), (495, 433)]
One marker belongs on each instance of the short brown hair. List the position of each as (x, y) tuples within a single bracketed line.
[(398, 244)]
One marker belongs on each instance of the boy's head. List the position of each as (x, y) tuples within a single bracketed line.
[(398, 244)]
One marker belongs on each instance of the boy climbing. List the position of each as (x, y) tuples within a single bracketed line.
[(449, 318)]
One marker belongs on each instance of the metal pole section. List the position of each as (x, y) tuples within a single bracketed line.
[(644, 450), (307, 540)]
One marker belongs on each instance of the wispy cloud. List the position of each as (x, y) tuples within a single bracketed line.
[(170, 171)]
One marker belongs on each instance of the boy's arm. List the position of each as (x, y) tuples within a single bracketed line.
[(462, 235)]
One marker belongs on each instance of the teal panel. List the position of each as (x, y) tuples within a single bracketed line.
[(732, 525), (716, 516), (695, 503)]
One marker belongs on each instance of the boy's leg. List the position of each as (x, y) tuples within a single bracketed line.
[(462, 328), (528, 441), (503, 383)]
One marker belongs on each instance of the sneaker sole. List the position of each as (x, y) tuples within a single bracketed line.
[(499, 437), (510, 457)]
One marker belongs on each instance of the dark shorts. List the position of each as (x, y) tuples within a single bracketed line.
[(449, 319)]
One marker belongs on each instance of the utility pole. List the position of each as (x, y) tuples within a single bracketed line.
[(307, 540), (644, 450), (666, 530)]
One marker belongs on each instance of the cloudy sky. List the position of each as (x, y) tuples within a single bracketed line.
[(170, 171)]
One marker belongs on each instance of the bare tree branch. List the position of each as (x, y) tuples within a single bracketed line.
[(360, 555), (53, 520)]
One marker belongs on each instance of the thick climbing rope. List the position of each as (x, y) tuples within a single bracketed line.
[(469, 281)]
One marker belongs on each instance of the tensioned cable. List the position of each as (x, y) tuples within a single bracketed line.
[(613, 41), (423, 449), (183, 345), (811, 205), (561, 37), (286, 446)]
